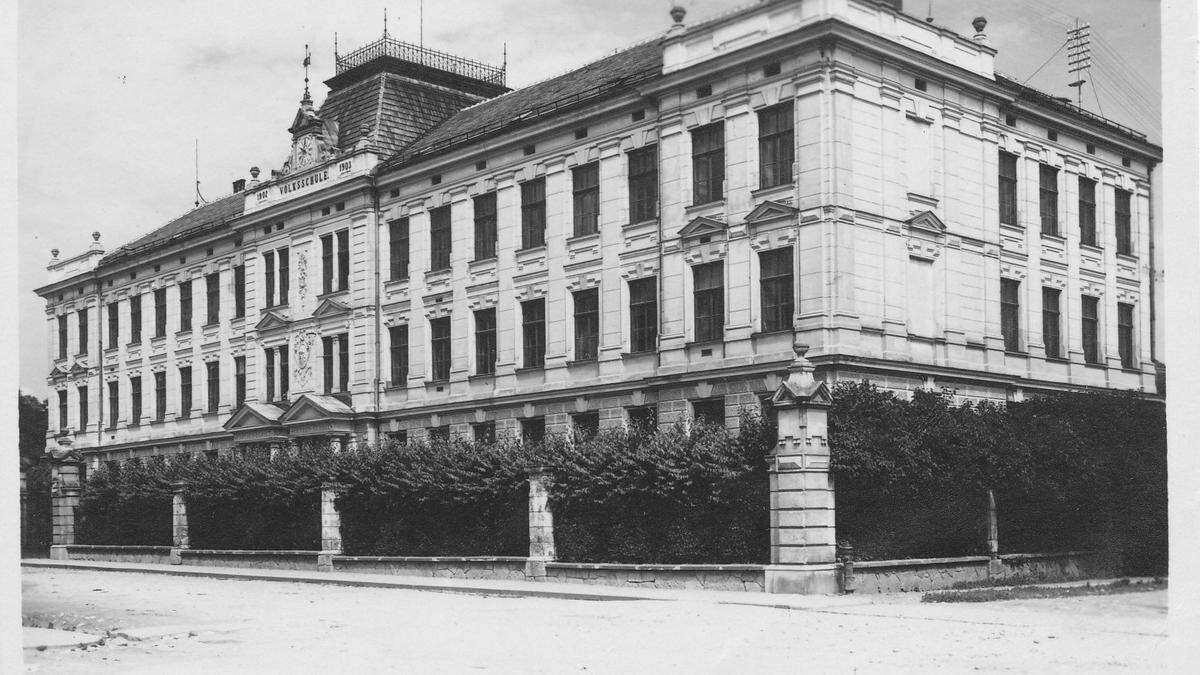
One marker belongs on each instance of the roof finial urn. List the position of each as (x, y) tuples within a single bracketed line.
[(677, 14), (979, 24), (96, 236), (54, 253)]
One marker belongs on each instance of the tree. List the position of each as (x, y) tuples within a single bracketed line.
[(32, 420)]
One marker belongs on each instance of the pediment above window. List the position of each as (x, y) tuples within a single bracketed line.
[(703, 226), (330, 307), (254, 415), (271, 321), (770, 211), (926, 221)]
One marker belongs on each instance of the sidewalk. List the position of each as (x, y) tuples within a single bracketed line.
[(486, 587)]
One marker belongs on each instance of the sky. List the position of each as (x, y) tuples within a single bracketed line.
[(112, 96)]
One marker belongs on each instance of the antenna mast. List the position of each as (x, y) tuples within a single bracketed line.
[(421, 22), (199, 197), (1079, 56)]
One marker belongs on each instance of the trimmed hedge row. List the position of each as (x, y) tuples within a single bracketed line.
[(1069, 471)]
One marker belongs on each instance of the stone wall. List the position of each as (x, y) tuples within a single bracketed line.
[(275, 560), (498, 567), (927, 574), (694, 577), (129, 554)]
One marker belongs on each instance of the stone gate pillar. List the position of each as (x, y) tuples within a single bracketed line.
[(541, 524), (178, 520), (65, 488), (331, 529), (803, 545)]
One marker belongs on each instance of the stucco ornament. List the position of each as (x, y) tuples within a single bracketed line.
[(302, 274), (303, 349)]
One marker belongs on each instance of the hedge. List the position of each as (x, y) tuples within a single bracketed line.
[(1068, 470)]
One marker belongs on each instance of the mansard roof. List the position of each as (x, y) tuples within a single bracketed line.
[(203, 219), (595, 81)]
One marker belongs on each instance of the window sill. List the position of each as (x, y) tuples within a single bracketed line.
[(482, 262), (1095, 366), (183, 334), (1091, 247), (210, 326), (396, 281), (1057, 359), (182, 418), (769, 333), (132, 345), (704, 205), (430, 383), (1127, 257), (111, 351), (80, 355), (531, 251), (704, 343), (1016, 352), (768, 191), (158, 339), (583, 362), (133, 425), (641, 223), (333, 294), (157, 423), (530, 369), (585, 237), (1015, 226), (1055, 237), (441, 271), (278, 307), (211, 415), (481, 377), (636, 355)]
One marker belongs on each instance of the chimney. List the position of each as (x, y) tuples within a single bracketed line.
[(980, 37), (239, 185)]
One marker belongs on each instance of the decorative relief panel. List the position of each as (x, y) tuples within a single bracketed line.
[(1011, 271), (302, 355), (582, 281), (1090, 260), (1127, 295), (1092, 288), (1052, 280), (640, 269), (483, 301), (531, 291)]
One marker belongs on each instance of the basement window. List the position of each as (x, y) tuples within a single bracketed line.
[(581, 133), (771, 69), (340, 206), (639, 115), (436, 179), (480, 166), (325, 211), (1010, 120), (530, 149), (278, 226), (267, 228), (920, 84), (704, 91)]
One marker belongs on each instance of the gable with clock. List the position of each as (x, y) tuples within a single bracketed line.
[(313, 140)]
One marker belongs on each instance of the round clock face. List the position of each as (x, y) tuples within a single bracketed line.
[(304, 152)]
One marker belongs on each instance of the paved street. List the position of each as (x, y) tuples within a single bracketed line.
[(265, 626)]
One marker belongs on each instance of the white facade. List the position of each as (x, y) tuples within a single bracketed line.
[(892, 216)]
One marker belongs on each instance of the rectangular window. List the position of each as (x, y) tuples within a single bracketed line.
[(269, 356), (586, 425), (281, 259), (484, 432), (326, 263), (185, 391), (587, 324), (114, 403), (114, 324), (62, 336), (62, 409), (135, 320), (485, 226), (778, 300), (708, 163), (239, 380), (485, 341), (213, 375), (83, 331), (533, 213), (239, 291), (585, 188), (212, 292), (1125, 334), (643, 419), (83, 408), (709, 411), (1008, 188), (1048, 198), (1090, 323), (643, 184), (343, 259), (327, 362), (185, 305), (1010, 314), (710, 301), (533, 332), (533, 430), (135, 401), (398, 248), (399, 352), (776, 148), (160, 396), (1124, 231), (343, 342), (160, 312), (283, 372), (1051, 322), (439, 238), (1087, 211), (269, 277), (643, 315), (439, 339)]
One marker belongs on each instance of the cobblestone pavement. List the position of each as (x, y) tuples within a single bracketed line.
[(264, 626)]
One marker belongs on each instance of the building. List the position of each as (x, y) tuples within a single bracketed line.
[(647, 238)]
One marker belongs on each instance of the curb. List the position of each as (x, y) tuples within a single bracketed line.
[(465, 587)]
